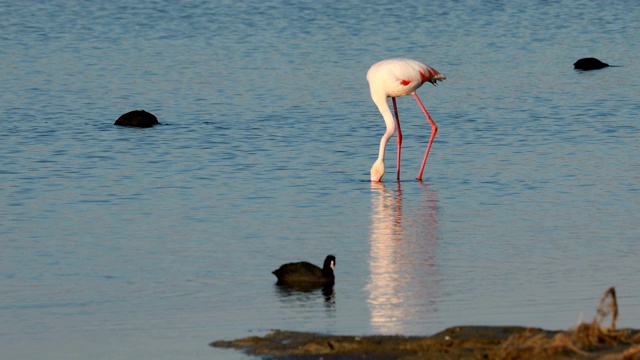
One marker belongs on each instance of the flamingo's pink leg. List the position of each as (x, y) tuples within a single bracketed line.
[(434, 130), (399, 138)]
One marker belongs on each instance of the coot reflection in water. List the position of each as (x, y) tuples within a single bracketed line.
[(306, 292)]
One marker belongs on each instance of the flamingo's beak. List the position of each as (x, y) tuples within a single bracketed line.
[(377, 170)]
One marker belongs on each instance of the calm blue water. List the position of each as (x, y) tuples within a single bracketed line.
[(122, 243)]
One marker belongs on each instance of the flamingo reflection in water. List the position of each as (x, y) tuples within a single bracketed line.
[(403, 284)]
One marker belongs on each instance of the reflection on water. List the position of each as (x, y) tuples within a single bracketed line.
[(301, 294), (403, 280)]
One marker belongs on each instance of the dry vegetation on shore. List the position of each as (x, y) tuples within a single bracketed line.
[(585, 341)]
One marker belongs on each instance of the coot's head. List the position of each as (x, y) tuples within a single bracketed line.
[(329, 263)]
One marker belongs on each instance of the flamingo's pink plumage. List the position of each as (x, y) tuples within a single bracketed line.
[(393, 78)]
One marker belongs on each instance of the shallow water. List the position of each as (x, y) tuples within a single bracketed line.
[(150, 243)]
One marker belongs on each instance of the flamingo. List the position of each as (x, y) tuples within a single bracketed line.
[(393, 78)]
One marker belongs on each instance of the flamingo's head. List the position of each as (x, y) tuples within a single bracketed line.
[(437, 77), (377, 170)]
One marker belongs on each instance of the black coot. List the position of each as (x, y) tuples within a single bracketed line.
[(137, 118), (306, 273)]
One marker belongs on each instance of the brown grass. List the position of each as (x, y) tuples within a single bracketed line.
[(580, 340)]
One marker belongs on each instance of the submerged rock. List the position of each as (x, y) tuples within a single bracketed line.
[(137, 118), (589, 64)]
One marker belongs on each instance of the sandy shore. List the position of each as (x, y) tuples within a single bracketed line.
[(587, 341)]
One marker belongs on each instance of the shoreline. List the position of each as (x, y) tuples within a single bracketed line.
[(587, 341)]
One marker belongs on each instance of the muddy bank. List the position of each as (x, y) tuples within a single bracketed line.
[(464, 342), (585, 341)]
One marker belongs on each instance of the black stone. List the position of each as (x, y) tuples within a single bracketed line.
[(589, 64), (137, 118)]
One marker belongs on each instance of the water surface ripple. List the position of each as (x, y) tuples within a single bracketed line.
[(150, 243)]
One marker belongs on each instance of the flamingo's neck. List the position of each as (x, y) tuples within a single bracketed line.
[(377, 170), (384, 109)]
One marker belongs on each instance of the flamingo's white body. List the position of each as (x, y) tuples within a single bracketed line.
[(393, 78)]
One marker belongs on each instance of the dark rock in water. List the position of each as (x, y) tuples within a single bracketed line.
[(589, 64), (137, 118)]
